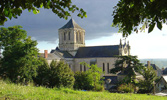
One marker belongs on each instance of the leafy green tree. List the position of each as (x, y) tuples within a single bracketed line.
[(13, 8), (149, 76), (129, 14), (94, 73), (42, 73), (20, 59), (129, 64), (60, 75), (82, 81)]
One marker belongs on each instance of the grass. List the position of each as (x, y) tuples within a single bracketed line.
[(17, 92)]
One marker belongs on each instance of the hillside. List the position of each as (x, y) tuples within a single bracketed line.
[(17, 92), (159, 62)]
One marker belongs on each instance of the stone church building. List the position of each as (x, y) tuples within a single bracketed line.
[(72, 50)]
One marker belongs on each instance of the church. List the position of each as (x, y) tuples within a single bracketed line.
[(72, 50)]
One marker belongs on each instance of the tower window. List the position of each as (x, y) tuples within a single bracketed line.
[(64, 36), (108, 69), (69, 35), (76, 36), (80, 36), (103, 67)]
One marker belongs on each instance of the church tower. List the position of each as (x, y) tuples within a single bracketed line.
[(71, 36)]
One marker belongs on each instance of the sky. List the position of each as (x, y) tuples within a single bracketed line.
[(44, 26)]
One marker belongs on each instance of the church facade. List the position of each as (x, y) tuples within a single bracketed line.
[(72, 50)]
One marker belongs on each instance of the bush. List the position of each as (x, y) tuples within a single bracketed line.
[(82, 81), (127, 88), (99, 87)]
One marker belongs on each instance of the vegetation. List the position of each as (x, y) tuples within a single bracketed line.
[(56, 75), (17, 92), (82, 81), (149, 76), (128, 64), (20, 61), (94, 74), (129, 14), (127, 88), (14, 8)]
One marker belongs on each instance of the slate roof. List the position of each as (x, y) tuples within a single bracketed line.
[(97, 51), (64, 54), (71, 24), (155, 67), (51, 56), (113, 79)]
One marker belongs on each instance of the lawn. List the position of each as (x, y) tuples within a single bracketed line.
[(18, 92)]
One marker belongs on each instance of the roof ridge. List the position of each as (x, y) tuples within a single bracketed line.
[(71, 24)]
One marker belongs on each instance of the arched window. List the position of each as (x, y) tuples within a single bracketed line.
[(69, 35), (84, 68), (103, 67), (80, 67), (108, 68)]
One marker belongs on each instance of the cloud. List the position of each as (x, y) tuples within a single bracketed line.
[(44, 26)]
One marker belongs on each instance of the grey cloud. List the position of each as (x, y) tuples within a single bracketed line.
[(44, 26)]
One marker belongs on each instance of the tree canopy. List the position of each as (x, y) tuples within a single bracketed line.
[(128, 64), (20, 59), (135, 15), (13, 8)]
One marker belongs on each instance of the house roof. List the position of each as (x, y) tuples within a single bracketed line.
[(71, 24), (51, 56), (155, 67), (61, 53), (97, 51), (112, 78)]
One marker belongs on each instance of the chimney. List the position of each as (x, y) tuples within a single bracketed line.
[(148, 63), (45, 53)]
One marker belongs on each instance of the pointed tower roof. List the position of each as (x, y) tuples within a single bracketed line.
[(71, 24)]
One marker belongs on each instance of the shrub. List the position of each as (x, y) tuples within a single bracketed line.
[(127, 88), (82, 81)]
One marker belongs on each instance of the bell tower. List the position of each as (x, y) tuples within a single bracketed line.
[(71, 36)]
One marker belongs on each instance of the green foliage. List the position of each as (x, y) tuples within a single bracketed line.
[(127, 88), (129, 14), (60, 75), (17, 92), (94, 73), (83, 81), (149, 76), (20, 59), (14, 8), (128, 64), (42, 73)]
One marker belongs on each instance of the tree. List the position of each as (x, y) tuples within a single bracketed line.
[(60, 75), (82, 81), (20, 59), (42, 73), (129, 64), (13, 8), (149, 76), (94, 72), (129, 14)]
